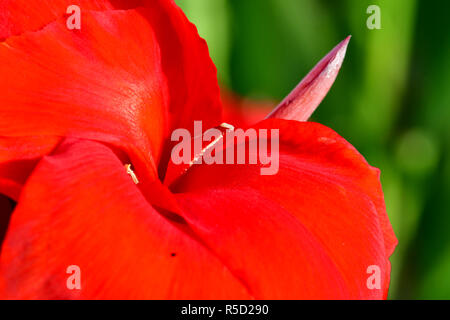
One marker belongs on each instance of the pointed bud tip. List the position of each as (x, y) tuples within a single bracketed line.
[(344, 43), (333, 61), (309, 93)]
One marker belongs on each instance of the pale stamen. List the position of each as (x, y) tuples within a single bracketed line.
[(224, 125), (131, 173)]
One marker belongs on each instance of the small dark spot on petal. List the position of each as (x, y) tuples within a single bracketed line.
[(173, 254)]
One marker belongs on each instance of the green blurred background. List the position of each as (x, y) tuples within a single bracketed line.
[(391, 100)]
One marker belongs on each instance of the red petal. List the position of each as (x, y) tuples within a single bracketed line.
[(185, 62), (103, 82), (305, 98), (80, 208), (185, 57), (310, 231), (194, 90), (18, 157), (19, 16)]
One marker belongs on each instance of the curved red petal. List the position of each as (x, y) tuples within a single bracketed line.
[(103, 82), (321, 218), (19, 16), (274, 254), (79, 207), (185, 55), (191, 93), (194, 89), (18, 157)]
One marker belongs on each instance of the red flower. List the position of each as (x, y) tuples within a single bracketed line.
[(76, 106)]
